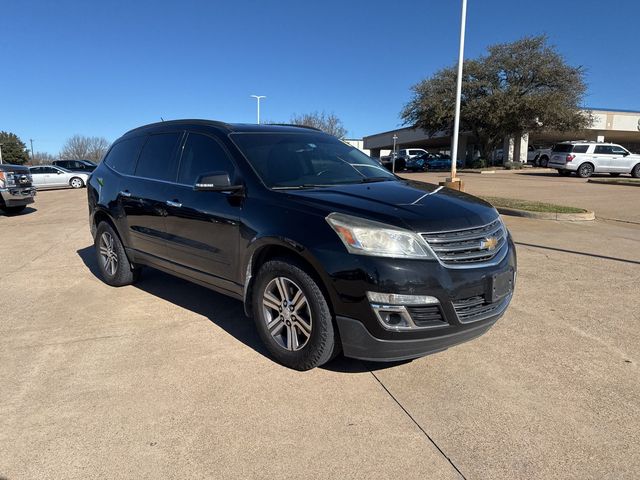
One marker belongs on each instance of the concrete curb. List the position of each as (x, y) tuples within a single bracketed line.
[(621, 183), (564, 217), (478, 172)]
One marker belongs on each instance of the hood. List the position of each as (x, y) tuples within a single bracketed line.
[(421, 207)]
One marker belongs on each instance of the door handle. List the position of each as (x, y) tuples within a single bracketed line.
[(125, 193), (171, 203)]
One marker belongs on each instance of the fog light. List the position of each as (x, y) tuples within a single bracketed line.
[(398, 299)]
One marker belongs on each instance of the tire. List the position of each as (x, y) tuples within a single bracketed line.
[(76, 182), (614, 174), (301, 334), (635, 173), (544, 161), (13, 210), (114, 265), (585, 170)]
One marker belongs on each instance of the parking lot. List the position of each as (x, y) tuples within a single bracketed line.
[(166, 379)]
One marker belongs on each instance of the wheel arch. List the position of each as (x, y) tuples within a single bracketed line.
[(268, 249)]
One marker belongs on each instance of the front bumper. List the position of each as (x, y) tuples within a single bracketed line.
[(357, 342), (17, 196), (467, 305)]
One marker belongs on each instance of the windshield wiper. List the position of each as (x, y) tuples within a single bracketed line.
[(375, 179), (298, 187)]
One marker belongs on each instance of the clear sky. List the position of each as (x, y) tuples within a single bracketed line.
[(103, 67)]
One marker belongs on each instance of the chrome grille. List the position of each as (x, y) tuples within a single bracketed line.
[(468, 246), (474, 309)]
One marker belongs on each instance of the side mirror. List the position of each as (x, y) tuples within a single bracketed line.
[(59, 172), (215, 182), (625, 154)]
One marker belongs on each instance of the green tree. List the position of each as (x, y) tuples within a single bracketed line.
[(13, 149), (524, 86), (328, 123)]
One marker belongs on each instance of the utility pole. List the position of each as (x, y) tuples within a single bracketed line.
[(258, 97), (456, 125), (1, 153), (31, 140), (393, 154)]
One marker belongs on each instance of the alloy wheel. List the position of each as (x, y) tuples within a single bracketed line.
[(287, 313), (108, 255)]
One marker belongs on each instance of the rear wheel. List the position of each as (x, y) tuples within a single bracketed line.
[(13, 210), (293, 317), (635, 173), (76, 182), (113, 262), (585, 170)]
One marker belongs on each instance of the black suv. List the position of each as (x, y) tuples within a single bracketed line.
[(325, 247), (86, 166)]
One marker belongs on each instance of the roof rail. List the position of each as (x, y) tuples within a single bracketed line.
[(181, 121), (294, 125)]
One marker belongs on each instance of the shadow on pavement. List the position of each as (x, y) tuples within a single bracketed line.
[(224, 311), (26, 211)]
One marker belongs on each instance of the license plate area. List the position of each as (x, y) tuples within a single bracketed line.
[(500, 286)]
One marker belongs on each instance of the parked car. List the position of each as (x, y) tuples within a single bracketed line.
[(542, 157), (419, 163), (407, 153), (587, 158), (327, 249), (51, 176), (438, 162), (16, 189), (387, 162), (86, 166)]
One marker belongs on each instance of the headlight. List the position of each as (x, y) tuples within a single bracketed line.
[(366, 237)]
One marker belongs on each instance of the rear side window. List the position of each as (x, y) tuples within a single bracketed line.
[(202, 154), (580, 149), (158, 159), (563, 148), (123, 155)]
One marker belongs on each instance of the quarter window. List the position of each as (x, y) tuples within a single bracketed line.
[(202, 154), (618, 150), (580, 149), (123, 155), (158, 157)]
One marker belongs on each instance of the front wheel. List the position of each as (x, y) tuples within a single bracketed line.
[(293, 317), (543, 162), (113, 262), (76, 182)]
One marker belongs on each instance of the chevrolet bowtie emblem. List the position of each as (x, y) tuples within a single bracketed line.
[(489, 243)]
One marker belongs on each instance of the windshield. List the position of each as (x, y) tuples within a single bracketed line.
[(301, 160)]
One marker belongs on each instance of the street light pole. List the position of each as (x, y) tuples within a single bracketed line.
[(456, 124), (31, 140), (1, 153), (258, 97), (393, 154)]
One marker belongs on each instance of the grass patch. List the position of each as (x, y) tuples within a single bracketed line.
[(531, 206)]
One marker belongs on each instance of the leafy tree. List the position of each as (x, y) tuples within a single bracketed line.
[(13, 149), (524, 86), (328, 123), (80, 147)]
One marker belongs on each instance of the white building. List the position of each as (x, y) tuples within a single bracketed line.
[(616, 126)]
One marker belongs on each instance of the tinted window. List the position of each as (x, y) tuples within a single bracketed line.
[(202, 154), (123, 155), (158, 157), (62, 163), (580, 149), (618, 150), (604, 149), (35, 170), (48, 170), (563, 148)]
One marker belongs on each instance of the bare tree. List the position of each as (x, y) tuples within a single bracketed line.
[(42, 158), (80, 147), (328, 123)]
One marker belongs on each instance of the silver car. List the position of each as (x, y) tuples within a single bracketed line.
[(50, 176), (587, 158)]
